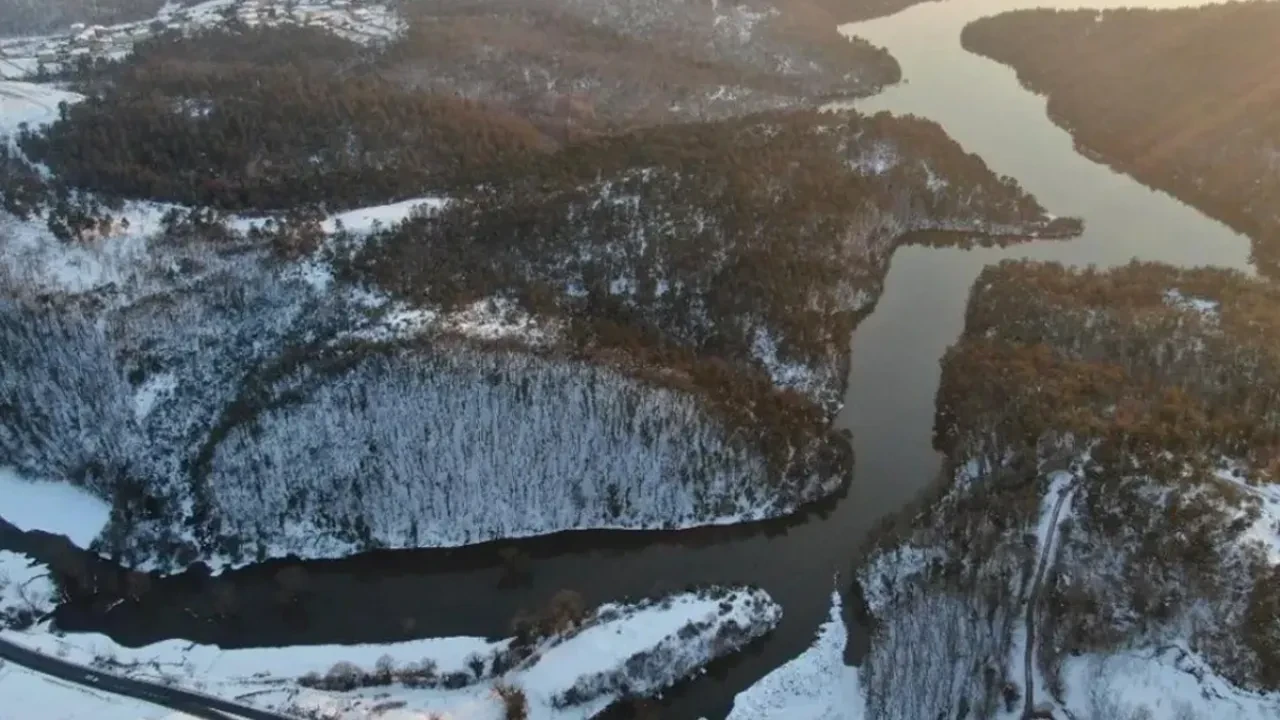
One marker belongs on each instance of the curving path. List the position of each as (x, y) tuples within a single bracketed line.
[(1033, 598)]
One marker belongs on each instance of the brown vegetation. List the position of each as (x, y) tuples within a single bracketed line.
[(514, 704), (190, 121), (1160, 380), (667, 252), (579, 67), (1185, 100)]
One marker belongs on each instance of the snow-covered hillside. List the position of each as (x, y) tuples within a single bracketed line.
[(448, 447)]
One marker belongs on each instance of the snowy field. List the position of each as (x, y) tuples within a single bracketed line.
[(55, 507), (816, 685), (638, 648), (23, 691), (29, 103), (1169, 683)]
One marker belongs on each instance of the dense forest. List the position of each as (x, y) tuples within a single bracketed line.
[(1185, 100), (213, 120), (1157, 391), (469, 91), (442, 446), (209, 116), (583, 66)]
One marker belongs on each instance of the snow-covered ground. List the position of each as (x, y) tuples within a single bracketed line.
[(34, 258), (1265, 530), (25, 589), (1167, 683), (816, 685), (369, 219), (363, 220), (29, 103), (639, 648), (28, 695), (55, 507)]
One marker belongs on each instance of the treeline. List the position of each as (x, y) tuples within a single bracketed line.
[(211, 129), (1161, 386), (1185, 100)]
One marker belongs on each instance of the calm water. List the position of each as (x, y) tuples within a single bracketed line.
[(893, 380)]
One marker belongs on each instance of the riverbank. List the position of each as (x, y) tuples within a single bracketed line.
[(563, 663), (1181, 99)]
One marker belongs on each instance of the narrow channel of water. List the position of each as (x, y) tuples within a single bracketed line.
[(893, 381)]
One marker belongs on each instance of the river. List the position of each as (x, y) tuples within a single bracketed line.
[(893, 381)]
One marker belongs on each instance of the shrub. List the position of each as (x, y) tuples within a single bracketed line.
[(514, 702)]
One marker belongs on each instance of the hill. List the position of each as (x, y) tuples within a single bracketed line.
[(1111, 495), (686, 293)]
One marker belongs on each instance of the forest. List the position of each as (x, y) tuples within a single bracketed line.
[(688, 289), (1185, 100), (721, 266), (757, 242), (468, 91), (579, 66), (214, 120), (1155, 391)]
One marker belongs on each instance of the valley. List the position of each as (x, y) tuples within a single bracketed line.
[(684, 288)]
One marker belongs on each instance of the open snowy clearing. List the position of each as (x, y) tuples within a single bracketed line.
[(816, 685), (1167, 683), (29, 103), (638, 648), (360, 221), (54, 507)]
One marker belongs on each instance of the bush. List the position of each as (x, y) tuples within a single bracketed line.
[(565, 611), (513, 701), (343, 677)]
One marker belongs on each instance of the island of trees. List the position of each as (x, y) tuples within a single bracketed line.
[(1185, 100)]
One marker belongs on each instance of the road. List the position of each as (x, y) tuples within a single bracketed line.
[(184, 701), (1033, 599)]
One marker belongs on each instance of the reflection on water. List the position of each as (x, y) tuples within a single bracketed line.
[(893, 380)]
